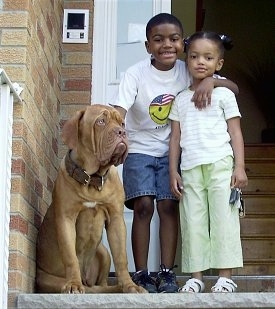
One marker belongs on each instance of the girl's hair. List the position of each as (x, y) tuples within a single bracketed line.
[(162, 18), (223, 41)]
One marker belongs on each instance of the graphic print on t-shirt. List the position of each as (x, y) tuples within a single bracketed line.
[(160, 108)]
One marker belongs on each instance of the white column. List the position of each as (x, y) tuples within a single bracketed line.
[(7, 96)]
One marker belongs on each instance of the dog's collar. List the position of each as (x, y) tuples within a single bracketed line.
[(80, 175)]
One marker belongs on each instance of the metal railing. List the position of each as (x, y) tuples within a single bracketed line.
[(8, 96)]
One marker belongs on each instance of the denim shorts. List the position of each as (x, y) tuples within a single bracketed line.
[(146, 175)]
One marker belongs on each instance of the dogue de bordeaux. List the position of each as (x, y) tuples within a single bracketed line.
[(88, 196)]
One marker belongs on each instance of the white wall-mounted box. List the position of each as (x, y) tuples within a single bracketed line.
[(75, 26)]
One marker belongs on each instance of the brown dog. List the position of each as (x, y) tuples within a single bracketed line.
[(88, 196)]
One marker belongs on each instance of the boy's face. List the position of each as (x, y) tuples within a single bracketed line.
[(165, 43)]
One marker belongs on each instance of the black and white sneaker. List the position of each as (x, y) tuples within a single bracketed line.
[(142, 278), (166, 280)]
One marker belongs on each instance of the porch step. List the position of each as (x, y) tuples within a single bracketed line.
[(253, 292), (178, 300), (257, 227), (259, 151)]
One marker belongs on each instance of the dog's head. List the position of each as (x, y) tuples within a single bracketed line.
[(99, 132)]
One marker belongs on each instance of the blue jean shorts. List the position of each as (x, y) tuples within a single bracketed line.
[(145, 175)]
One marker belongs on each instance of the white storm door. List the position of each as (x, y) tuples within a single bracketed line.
[(118, 42)]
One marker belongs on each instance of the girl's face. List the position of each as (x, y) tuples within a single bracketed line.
[(165, 43), (203, 58)]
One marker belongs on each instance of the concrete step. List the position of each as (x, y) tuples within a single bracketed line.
[(253, 292), (177, 300)]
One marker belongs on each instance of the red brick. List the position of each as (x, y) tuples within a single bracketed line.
[(55, 146), (50, 184), (18, 166), (38, 187), (77, 84), (17, 5), (40, 35), (19, 224)]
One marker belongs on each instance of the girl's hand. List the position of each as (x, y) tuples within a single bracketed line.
[(176, 185), (239, 178)]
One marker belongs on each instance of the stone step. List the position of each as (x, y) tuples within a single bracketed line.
[(177, 300), (253, 292)]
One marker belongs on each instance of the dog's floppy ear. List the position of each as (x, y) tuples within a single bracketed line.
[(70, 130)]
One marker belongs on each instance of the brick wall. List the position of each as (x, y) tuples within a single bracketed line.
[(76, 70), (56, 79)]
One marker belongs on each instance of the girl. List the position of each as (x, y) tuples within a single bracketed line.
[(212, 163)]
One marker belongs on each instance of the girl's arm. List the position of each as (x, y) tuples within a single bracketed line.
[(174, 156), (239, 177)]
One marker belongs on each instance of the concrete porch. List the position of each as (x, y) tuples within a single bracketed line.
[(203, 300), (253, 292)]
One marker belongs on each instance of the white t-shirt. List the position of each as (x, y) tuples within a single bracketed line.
[(147, 95), (204, 135)]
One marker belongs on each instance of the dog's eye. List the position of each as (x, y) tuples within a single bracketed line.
[(100, 122)]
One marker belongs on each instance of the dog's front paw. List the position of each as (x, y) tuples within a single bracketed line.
[(73, 287), (133, 288)]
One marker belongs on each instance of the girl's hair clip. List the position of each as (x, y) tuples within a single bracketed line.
[(186, 42), (226, 41)]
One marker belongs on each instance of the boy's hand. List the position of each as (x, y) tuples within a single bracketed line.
[(202, 95)]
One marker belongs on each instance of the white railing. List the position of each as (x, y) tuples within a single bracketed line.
[(8, 95)]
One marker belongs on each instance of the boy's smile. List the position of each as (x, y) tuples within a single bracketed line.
[(165, 43)]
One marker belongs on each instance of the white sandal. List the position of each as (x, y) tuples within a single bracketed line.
[(224, 285), (192, 285)]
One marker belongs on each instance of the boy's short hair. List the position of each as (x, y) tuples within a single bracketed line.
[(163, 18)]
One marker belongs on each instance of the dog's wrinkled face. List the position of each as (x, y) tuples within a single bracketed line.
[(100, 130), (107, 134)]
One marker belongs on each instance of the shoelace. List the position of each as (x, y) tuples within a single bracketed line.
[(145, 278), (163, 268), (167, 275)]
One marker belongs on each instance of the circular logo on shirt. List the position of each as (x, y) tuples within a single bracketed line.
[(160, 108)]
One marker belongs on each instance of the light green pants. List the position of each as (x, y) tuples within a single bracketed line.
[(210, 226)]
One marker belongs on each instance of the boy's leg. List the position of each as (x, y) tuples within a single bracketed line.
[(143, 212), (139, 185), (167, 207), (168, 231), (168, 234)]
